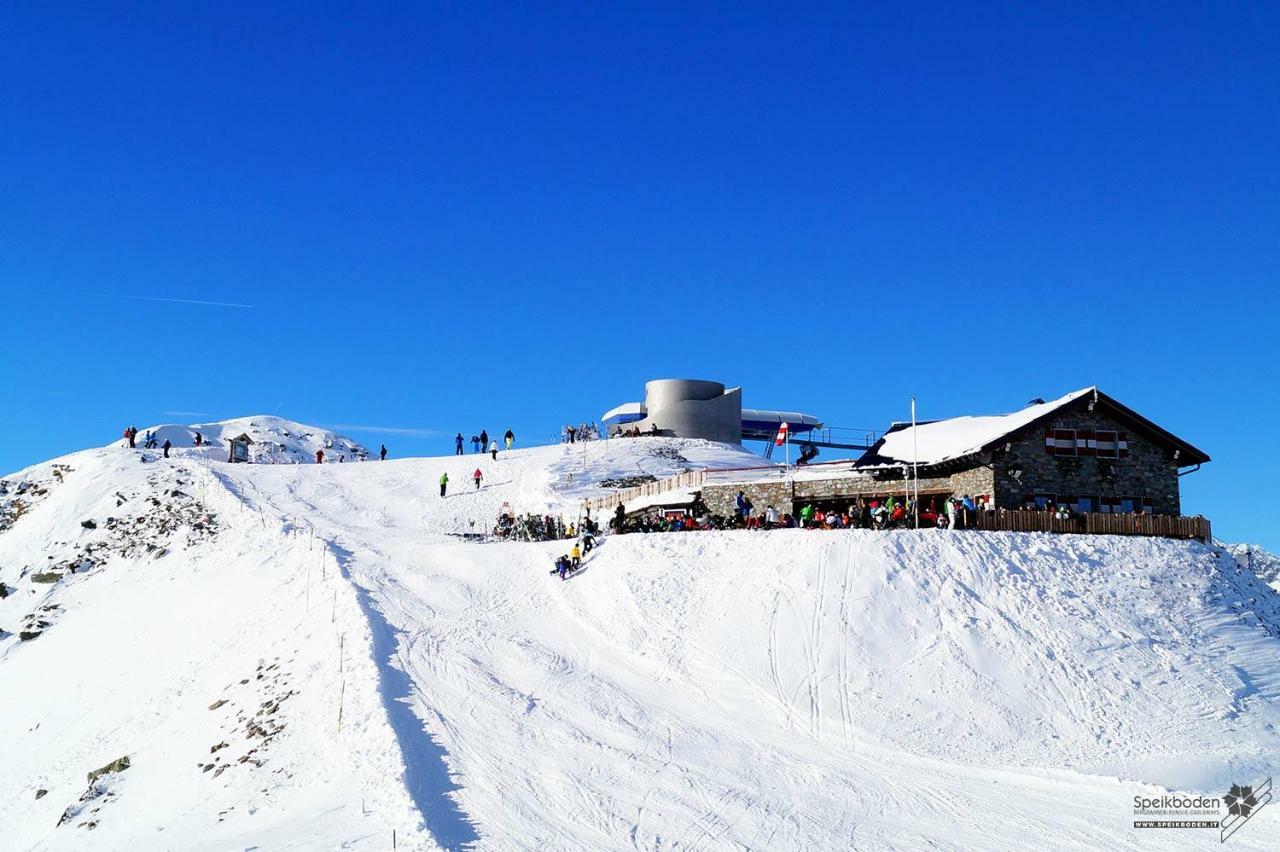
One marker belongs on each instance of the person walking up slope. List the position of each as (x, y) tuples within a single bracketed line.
[(477, 476), (510, 438), (444, 483), (167, 445), (319, 456), (382, 456), (493, 450), (457, 445)]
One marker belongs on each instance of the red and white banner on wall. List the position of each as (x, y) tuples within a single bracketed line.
[(1087, 442)]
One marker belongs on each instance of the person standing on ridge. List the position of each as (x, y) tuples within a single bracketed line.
[(382, 456), (457, 445), (475, 443), (444, 483), (493, 450), (510, 438), (477, 476), (319, 456), (167, 445), (484, 439)]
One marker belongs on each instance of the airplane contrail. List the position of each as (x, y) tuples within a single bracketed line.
[(178, 301)]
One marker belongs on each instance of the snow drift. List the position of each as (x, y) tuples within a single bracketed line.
[(308, 656)]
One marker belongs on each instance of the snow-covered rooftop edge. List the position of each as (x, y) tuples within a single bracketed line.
[(944, 440)]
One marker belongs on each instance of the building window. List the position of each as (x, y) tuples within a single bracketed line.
[(1085, 504), (1125, 505), (1060, 442), (1112, 445)]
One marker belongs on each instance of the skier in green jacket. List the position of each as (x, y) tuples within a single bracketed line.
[(444, 483), (806, 515)]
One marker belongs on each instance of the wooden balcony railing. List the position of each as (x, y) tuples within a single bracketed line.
[(1097, 523)]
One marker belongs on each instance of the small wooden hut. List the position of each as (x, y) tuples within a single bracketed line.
[(238, 448)]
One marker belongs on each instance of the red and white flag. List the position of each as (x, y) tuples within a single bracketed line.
[(782, 435)]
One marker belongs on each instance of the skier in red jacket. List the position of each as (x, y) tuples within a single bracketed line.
[(477, 476)]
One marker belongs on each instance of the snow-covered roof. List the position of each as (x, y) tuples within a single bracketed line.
[(791, 418), (624, 413), (944, 440)]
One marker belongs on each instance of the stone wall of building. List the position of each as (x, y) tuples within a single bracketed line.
[(720, 498), (1148, 471), (788, 496)]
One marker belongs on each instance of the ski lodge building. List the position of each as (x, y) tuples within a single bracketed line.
[(1084, 450)]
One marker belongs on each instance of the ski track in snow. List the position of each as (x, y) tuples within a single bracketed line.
[(992, 690)]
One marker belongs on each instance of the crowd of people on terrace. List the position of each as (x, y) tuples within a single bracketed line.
[(634, 432), (862, 513)]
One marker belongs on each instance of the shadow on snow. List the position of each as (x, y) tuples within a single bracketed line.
[(426, 774)]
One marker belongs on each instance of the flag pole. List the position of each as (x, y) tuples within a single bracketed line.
[(915, 465)]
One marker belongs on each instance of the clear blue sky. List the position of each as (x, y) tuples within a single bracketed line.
[(453, 217)]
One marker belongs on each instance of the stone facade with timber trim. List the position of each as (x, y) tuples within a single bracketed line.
[(1145, 474)]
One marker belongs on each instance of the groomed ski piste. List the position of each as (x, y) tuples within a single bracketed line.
[(302, 656)]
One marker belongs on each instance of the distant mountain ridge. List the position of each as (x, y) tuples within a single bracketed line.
[(275, 439), (1257, 559)]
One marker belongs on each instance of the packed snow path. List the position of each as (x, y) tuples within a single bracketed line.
[(686, 691)]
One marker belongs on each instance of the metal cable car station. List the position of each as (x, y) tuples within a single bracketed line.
[(696, 408)]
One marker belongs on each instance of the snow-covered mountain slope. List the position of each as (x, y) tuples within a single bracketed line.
[(209, 649), (776, 690), (1257, 559)]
